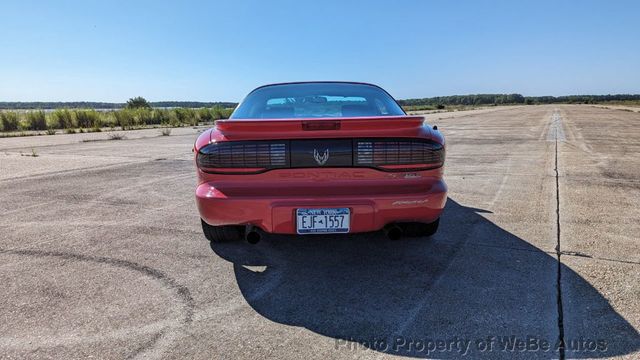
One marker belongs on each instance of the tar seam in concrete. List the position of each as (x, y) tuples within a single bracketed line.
[(559, 253)]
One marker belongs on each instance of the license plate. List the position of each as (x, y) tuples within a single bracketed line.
[(325, 221)]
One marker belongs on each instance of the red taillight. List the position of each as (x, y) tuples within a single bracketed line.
[(251, 157), (243, 156), (399, 154)]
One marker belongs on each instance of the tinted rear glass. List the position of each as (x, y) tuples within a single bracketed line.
[(309, 100)]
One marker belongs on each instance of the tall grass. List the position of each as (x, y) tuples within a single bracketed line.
[(221, 113), (8, 121), (215, 113), (144, 117), (91, 120), (130, 118), (124, 118), (62, 119), (36, 120), (167, 117), (88, 119), (205, 114), (187, 116)]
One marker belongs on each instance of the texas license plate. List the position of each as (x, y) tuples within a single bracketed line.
[(325, 221)]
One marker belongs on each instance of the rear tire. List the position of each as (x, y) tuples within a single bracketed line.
[(218, 234), (415, 229)]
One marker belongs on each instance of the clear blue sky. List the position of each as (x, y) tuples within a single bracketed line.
[(218, 51)]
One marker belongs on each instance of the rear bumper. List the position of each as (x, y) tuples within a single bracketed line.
[(276, 214)]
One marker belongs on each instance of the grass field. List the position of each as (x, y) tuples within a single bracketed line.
[(39, 122)]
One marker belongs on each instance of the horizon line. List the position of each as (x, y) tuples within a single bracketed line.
[(237, 102)]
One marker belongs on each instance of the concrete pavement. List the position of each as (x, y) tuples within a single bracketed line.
[(101, 254)]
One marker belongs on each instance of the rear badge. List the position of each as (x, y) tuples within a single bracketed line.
[(405, 176), (408, 202), (321, 159)]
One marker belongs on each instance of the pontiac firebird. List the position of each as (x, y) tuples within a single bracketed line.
[(319, 158)]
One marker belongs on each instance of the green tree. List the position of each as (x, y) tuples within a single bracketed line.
[(138, 102)]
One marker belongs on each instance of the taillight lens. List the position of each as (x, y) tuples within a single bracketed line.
[(398, 155), (243, 156), (251, 157)]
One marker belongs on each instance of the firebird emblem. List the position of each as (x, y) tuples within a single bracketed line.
[(321, 159)]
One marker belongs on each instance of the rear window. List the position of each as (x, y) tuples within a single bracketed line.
[(316, 100)]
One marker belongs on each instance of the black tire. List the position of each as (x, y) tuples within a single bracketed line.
[(221, 233), (415, 229)]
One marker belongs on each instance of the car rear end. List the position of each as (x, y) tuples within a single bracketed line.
[(328, 174)]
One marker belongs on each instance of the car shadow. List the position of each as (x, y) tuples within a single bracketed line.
[(473, 289)]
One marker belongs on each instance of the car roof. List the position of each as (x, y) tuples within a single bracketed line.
[(318, 82)]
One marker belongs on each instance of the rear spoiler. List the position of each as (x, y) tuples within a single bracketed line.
[(314, 127)]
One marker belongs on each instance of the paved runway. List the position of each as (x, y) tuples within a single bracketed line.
[(101, 253)]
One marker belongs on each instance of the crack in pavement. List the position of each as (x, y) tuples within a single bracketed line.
[(556, 134), (580, 254), (557, 126)]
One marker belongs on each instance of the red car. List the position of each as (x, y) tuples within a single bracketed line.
[(319, 158)]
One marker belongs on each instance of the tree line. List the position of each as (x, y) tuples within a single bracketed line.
[(502, 99)]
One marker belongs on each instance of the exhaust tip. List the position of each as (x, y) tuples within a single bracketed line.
[(393, 232), (252, 235)]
